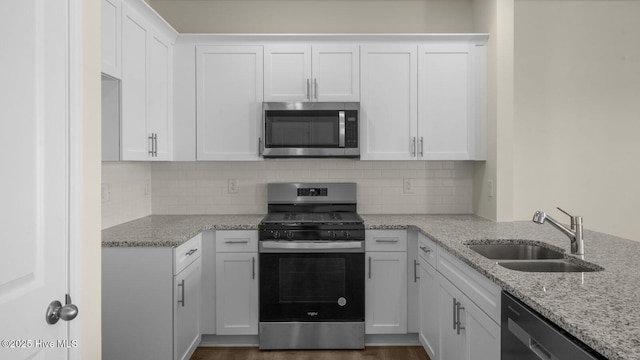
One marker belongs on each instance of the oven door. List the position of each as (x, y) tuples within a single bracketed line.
[(312, 286)]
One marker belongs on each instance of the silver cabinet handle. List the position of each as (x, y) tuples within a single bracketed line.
[(458, 322), (369, 267), (259, 146), (191, 252), (181, 285), (315, 88), (387, 240), (308, 89), (342, 128), (253, 268), (413, 148), (455, 305), (415, 270), (421, 146), (151, 145), (425, 249), (236, 241)]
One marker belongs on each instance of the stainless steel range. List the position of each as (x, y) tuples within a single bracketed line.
[(312, 268)]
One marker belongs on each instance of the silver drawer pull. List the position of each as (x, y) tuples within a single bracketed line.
[(425, 249), (236, 241), (191, 252), (388, 241)]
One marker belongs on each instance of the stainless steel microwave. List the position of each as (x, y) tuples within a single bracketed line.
[(310, 129)]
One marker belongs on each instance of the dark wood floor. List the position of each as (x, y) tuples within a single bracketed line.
[(369, 353)]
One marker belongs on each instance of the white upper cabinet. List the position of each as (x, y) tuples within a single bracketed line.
[(111, 28), (448, 112), (147, 72), (229, 102), (388, 108), (312, 73), (423, 102)]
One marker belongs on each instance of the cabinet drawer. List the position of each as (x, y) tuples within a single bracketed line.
[(428, 250), (236, 241), (186, 253), (484, 293), (386, 240)]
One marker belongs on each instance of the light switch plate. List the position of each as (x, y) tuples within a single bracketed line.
[(232, 186)]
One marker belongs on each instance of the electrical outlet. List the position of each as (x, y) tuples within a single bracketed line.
[(106, 193), (232, 186), (407, 186)]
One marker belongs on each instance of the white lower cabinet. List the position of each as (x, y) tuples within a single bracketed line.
[(466, 332), (151, 301), (459, 308), (236, 283), (186, 310), (386, 282)]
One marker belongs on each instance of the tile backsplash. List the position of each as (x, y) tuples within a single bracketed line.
[(126, 192), (437, 187)]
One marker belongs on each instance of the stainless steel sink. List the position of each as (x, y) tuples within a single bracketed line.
[(530, 256), (560, 265), (515, 251)]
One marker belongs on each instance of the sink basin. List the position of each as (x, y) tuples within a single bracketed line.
[(560, 265), (515, 251)]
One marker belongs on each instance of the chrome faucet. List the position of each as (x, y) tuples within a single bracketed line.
[(574, 233)]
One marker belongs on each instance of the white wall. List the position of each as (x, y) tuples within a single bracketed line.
[(316, 16), (577, 111), (440, 187)]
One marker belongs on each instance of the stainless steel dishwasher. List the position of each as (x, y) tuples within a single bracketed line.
[(526, 335)]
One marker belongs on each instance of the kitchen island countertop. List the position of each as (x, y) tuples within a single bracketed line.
[(601, 308)]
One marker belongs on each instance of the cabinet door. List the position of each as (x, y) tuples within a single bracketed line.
[(388, 102), (111, 16), (135, 138), (429, 332), (160, 100), (186, 310), (386, 293), (483, 335), (452, 345), (287, 73), (237, 294), (446, 104), (336, 72), (229, 102)]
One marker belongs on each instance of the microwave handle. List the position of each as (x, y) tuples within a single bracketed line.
[(342, 128)]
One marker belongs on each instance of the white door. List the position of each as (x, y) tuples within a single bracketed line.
[(386, 293), (186, 310), (237, 294), (229, 106), (160, 102), (336, 72), (388, 106), (33, 157), (287, 73), (446, 102)]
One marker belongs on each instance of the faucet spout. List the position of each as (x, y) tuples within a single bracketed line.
[(574, 233)]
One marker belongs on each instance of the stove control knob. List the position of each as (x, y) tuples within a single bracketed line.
[(346, 234), (333, 234), (276, 234), (289, 234)]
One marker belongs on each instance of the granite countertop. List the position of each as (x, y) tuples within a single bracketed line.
[(602, 308)]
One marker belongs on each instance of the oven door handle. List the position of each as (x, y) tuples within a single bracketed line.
[(312, 245), (341, 129)]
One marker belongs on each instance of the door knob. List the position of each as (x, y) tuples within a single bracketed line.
[(56, 311)]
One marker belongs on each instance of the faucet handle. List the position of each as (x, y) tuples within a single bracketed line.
[(574, 219), (566, 213)]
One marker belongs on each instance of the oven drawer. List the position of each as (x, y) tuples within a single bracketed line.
[(386, 240), (236, 241)]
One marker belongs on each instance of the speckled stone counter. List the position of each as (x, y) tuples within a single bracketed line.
[(173, 230), (602, 308)]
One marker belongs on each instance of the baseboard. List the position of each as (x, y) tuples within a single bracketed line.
[(392, 340), (253, 341), (229, 340)]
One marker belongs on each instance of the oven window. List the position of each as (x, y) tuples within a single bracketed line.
[(301, 128), (308, 280)]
